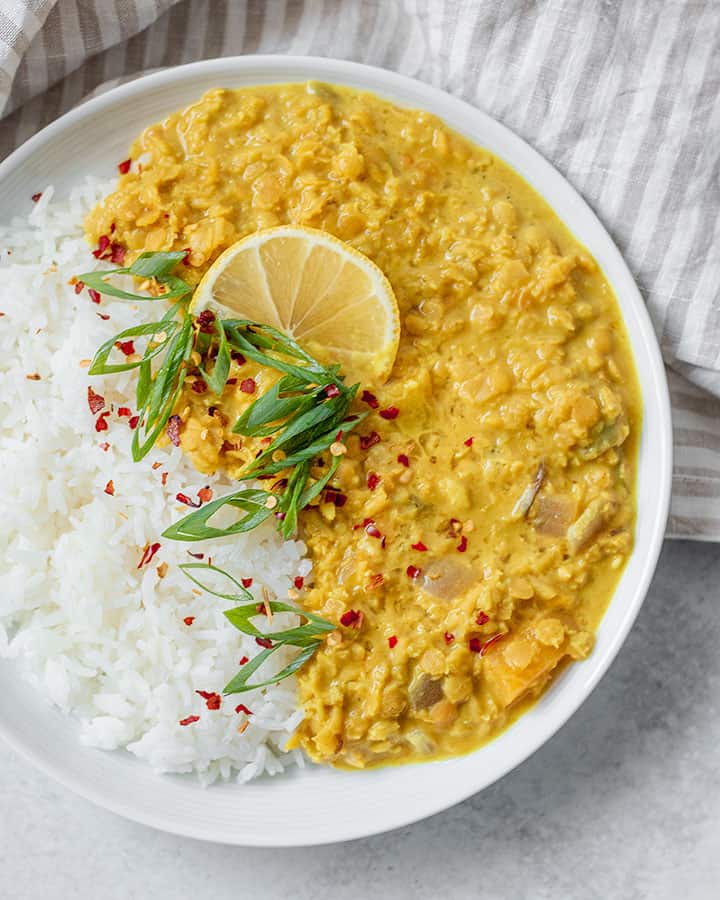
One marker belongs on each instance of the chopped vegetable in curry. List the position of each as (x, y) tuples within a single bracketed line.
[(479, 518)]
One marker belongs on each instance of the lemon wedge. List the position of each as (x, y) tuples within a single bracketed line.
[(333, 300)]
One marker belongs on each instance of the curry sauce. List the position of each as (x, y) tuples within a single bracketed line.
[(482, 516)]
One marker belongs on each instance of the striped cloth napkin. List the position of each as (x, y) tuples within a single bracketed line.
[(623, 96)]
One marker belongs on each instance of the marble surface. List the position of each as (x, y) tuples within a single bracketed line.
[(623, 803)]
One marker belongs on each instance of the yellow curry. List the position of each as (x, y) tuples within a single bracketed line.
[(482, 515)]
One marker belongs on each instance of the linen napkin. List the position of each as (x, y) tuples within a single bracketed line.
[(623, 96)]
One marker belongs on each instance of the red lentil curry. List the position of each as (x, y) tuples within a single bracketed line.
[(480, 519)]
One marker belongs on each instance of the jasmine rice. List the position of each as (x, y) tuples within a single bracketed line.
[(122, 646)]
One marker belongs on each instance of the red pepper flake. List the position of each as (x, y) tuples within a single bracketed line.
[(164, 478), (124, 411), (205, 494), (332, 390), (124, 166), (231, 381), (112, 228), (103, 316), (482, 618), (212, 700), (261, 609), (372, 530), (206, 321), (102, 247), (373, 480), (482, 647), (469, 442), (183, 498), (94, 295), (117, 253), (105, 446), (335, 497), (369, 440), (299, 581), (392, 641), (174, 427), (148, 553), (236, 356), (198, 386), (126, 347), (449, 638), (132, 425), (246, 582), (462, 546), (190, 720), (244, 660), (196, 555), (248, 386), (370, 399), (188, 620), (95, 401), (186, 258), (352, 618), (241, 708), (413, 571), (403, 460), (392, 412), (264, 642), (36, 197), (100, 423), (110, 488), (79, 285), (420, 547)]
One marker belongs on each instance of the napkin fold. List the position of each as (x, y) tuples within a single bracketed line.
[(623, 97)]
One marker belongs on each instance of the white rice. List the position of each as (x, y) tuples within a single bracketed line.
[(100, 638)]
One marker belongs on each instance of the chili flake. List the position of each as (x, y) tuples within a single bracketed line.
[(449, 638), (102, 247), (462, 546), (198, 386), (246, 582), (212, 700), (264, 642), (248, 386), (174, 427), (369, 440), (373, 480), (236, 356), (196, 555), (352, 618), (95, 401), (413, 571), (163, 479), (299, 581), (205, 494), (124, 411), (94, 295), (370, 399), (241, 708), (188, 620), (117, 253), (79, 285), (392, 412), (36, 197), (104, 446), (103, 316), (469, 441), (420, 547), (124, 166), (335, 497), (403, 460), (244, 660), (190, 720), (110, 488), (148, 553), (100, 423), (482, 618), (206, 321), (133, 422), (332, 390), (126, 347), (183, 498), (392, 641)]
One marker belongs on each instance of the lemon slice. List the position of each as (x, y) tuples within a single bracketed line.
[(333, 300)]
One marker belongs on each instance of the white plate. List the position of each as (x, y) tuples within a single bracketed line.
[(320, 805)]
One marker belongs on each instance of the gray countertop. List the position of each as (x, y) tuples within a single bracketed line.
[(623, 803)]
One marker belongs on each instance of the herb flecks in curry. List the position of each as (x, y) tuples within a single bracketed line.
[(484, 510)]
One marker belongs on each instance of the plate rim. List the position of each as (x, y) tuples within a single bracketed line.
[(628, 297)]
